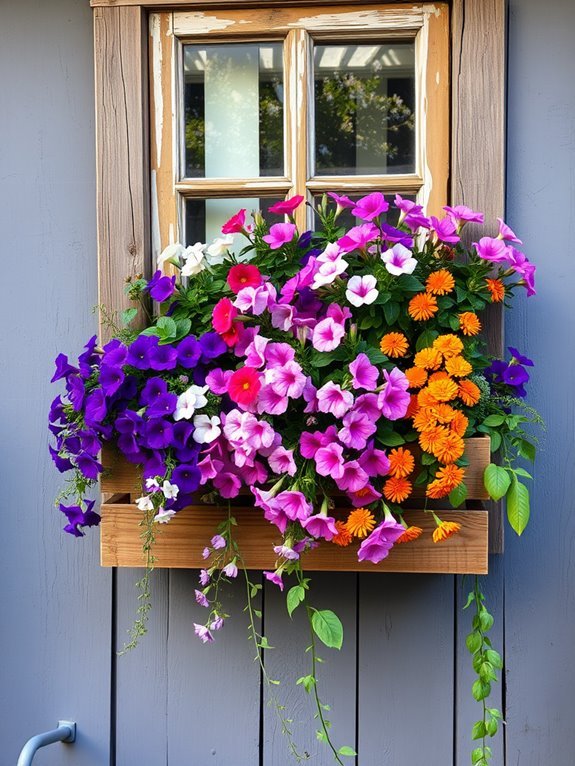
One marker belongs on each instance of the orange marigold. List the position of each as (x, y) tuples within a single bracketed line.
[(425, 418), (469, 322), (451, 475), (443, 413), (412, 407), (343, 536), (428, 359), (443, 390), (416, 377), (449, 448), (458, 367), (394, 344), (436, 490), (459, 423), (396, 490), (448, 345), (469, 393), (360, 522), (444, 530), (425, 399), (497, 289), (411, 533), (401, 462), (422, 306), (440, 282), (430, 438)]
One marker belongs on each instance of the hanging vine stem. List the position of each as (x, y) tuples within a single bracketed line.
[(140, 628), (486, 661)]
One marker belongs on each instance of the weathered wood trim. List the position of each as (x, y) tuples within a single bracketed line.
[(180, 543), (122, 150), (173, 4), (478, 141)]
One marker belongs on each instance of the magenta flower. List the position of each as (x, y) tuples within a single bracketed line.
[(362, 291), (374, 461), (505, 232), (258, 433), (406, 205), (522, 266), (255, 474), (217, 380), (356, 430), (328, 271), (376, 547), (338, 313), (364, 496), (491, 249), (279, 354), (394, 399), (203, 633), (201, 599), (367, 405), (280, 234), (309, 443), (329, 460), (281, 461), (275, 577), (287, 206), (369, 207), (294, 504), (218, 542), (331, 254), (320, 526), (310, 395), (270, 402), (332, 398), (399, 260), (353, 477), (463, 214), (415, 221), (255, 299), (327, 335), (358, 237), (288, 380), (228, 484), (282, 316), (285, 552), (445, 229), (365, 374), (341, 201), (235, 224), (255, 352)]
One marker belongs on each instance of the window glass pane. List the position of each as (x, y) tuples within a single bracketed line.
[(205, 217), (364, 109), (233, 111), (348, 220)]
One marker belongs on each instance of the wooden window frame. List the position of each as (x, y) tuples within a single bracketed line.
[(124, 216)]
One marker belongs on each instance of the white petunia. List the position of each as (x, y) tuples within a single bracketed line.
[(194, 257), (217, 250), (191, 400), (207, 429), (328, 271), (144, 503), (170, 490), (152, 484), (171, 253), (163, 516), (362, 290), (399, 260)]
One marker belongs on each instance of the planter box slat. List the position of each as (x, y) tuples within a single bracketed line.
[(179, 544)]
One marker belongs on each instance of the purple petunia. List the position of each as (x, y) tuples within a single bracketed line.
[(78, 518)]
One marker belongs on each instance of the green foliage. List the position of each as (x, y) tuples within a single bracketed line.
[(328, 628), (496, 480), (518, 505)]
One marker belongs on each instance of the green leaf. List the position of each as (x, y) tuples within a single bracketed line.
[(390, 438), (409, 283), (328, 628), (470, 598), (494, 658), (321, 359), (473, 641), (496, 480), (427, 459), (347, 751), (150, 331), (518, 506), (495, 441), (128, 315), (308, 682), (479, 730), (492, 726), (425, 340), (458, 495), (375, 356), (527, 450), (477, 756), (494, 420), (481, 690), (294, 598), (485, 620), (167, 327), (522, 472), (391, 312)]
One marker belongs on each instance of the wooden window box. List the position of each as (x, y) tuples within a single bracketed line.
[(180, 543)]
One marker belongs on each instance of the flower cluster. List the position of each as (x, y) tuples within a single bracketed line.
[(290, 369)]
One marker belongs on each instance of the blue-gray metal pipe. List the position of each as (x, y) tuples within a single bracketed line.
[(66, 732)]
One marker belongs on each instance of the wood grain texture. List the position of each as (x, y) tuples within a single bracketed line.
[(180, 543), (122, 151), (158, 4), (405, 670), (478, 144), (122, 477)]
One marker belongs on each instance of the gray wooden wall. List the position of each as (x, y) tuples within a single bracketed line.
[(400, 689)]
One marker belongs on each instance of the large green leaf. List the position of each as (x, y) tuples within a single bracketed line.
[(328, 628), (518, 506), (496, 480)]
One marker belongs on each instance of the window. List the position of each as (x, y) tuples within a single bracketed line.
[(250, 106)]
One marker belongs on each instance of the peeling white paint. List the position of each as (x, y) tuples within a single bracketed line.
[(155, 222), (369, 19), (155, 34), (199, 23)]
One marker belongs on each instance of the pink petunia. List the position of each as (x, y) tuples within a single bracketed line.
[(463, 214), (371, 206), (394, 399), (329, 461), (217, 380), (523, 266), (276, 578), (367, 405), (376, 547), (282, 316), (280, 234), (374, 461), (333, 399), (228, 484), (279, 354), (358, 237), (445, 229), (309, 443), (310, 395), (505, 232), (406, 205), (243, 275), (235, 224), (244, 385), (341, 201), (286, 207), (356, 430), (255, 299), (254, 474), (320, 526), (270, 402), (255, 352), (327, 272), (327, 335), (223, 315), (491, 249), (363, 497), (331, 254), (258, 433), (353, 477), (364, 373), (287, 380), (399, 260), (281, 461), (294, 504), (362, 291)]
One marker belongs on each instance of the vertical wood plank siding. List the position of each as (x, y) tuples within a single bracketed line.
[(400, 688)]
